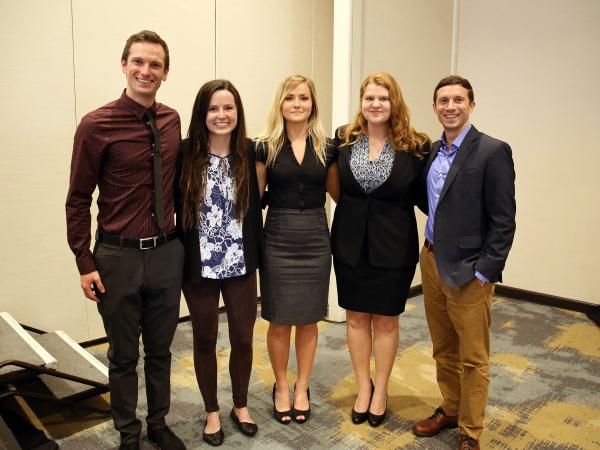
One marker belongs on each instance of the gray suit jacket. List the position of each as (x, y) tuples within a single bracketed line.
[(475, 218)]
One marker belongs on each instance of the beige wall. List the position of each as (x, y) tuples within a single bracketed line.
[(411, 40), (50, 82), (534, 66), (37, 277), (98, 77)]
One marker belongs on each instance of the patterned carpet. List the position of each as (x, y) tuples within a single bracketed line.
[(544, 393)]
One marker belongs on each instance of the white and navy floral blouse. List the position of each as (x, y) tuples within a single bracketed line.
[(371, 174), (219, 232)]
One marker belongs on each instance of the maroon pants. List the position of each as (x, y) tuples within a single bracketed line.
[(240, 297)]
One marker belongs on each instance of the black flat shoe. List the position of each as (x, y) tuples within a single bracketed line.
[(284, 417), (299, 412), (361, 417), (377, 419), (247, 428), (214, 439)]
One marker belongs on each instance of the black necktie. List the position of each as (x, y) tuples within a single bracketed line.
[(158, 197)]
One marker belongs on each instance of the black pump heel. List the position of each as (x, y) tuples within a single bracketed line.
[(361, 417), (300, 412), (284, 417)]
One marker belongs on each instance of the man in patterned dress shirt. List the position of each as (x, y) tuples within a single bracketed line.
[(134, 273)]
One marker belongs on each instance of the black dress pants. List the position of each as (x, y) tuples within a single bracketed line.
[(143, 291)]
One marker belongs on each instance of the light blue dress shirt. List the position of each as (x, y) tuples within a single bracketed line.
[(436, 177)]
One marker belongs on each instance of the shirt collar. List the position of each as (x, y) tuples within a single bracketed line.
[(134, 106), (457, 142)]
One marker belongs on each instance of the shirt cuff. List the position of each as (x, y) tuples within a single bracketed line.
[(481, 277), (86, 264)]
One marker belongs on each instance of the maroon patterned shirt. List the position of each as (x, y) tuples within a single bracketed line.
[(112, 151)]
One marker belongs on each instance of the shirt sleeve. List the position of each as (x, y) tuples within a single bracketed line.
[(261, 151), (482, 277), (85, 168), (332, 152)]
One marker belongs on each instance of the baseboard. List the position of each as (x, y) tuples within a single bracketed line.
[(530, 296), (544, 299), (501, 289)]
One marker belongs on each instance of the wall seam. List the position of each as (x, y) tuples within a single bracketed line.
[(73, 63), (85, 308), (215, 49), (455, 31)]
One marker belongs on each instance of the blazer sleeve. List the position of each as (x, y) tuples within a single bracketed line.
[(419, 193), (499, 196)]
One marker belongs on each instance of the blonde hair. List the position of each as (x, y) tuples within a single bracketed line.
[(404, 137), (274, 135)]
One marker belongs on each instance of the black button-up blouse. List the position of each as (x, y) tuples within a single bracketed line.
[(293, 185)]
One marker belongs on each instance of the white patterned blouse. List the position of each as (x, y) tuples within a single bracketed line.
[(219, 232), (371, 174)]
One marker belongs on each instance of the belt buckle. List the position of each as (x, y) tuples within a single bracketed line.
[(150, 239)]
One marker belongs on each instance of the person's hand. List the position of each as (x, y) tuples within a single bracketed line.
[(91, 284)]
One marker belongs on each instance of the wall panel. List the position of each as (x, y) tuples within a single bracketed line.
[(534, 68), (411, 40), (258, 44), (188, 28), (38, 282)]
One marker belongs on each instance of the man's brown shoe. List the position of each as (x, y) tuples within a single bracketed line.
[(434, 424), (468, 443)]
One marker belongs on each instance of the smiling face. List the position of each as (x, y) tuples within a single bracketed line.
[(145, 71), (375, 104), (221, 117), (297, 104), (453, 107)]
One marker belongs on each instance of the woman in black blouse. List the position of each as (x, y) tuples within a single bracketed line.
[(294, 282), (374, 233)]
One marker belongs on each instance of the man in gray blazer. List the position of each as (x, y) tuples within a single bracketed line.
[(469, 180)]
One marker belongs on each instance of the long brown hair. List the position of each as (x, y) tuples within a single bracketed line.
[(195, 160), (404, 137)]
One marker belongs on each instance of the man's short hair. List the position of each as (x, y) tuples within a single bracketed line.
[(452, 80), (146, 36)]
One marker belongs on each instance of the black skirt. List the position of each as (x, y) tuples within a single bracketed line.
[(294, 279), (374, 290)]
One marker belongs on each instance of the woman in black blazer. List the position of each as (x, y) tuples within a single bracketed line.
[(220, 221), (374, 233)]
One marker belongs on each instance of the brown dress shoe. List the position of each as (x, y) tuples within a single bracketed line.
[(434, 424), (468, 443)]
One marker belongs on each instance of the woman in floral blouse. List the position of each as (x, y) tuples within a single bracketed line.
[(221, 226)]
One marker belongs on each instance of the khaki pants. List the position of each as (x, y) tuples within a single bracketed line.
[(459, 322)]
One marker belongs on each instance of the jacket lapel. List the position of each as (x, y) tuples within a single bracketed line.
[(435, 147), (345, 156), (397, 165), (465, 150)]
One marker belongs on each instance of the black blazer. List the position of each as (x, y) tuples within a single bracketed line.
[(252, 228), (385, 217), (475, 217)]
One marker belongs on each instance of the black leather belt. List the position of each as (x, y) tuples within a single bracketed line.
[(428, 245), (140, 244)]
